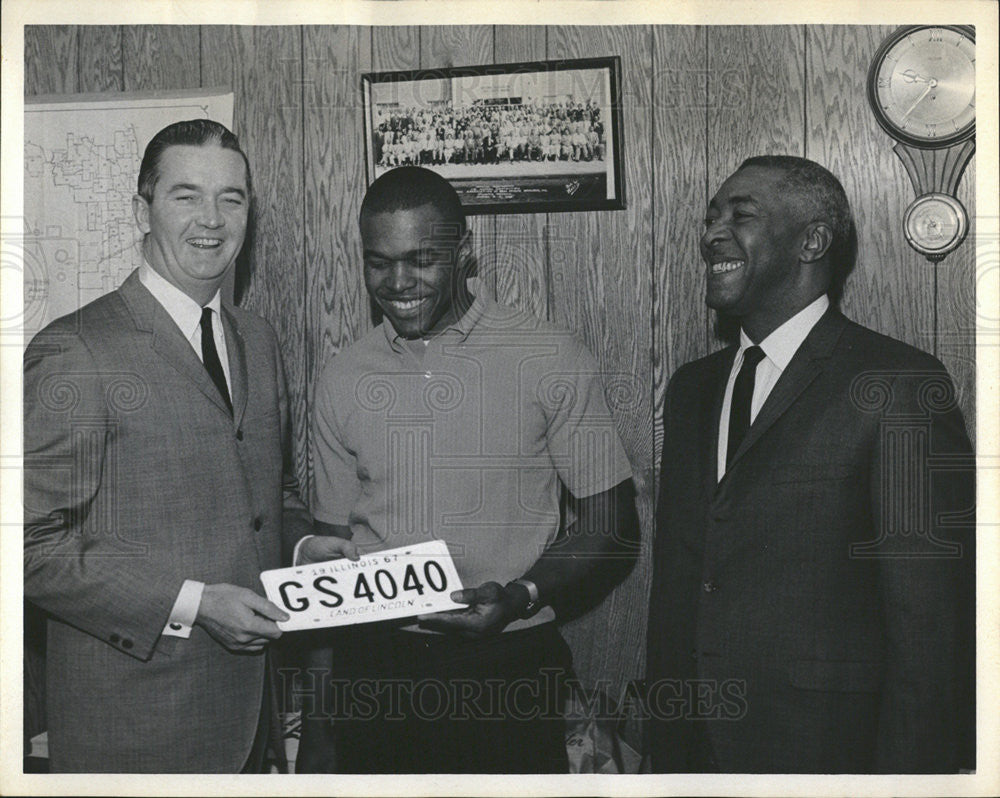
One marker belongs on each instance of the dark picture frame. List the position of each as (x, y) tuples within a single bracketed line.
[(526, 137)]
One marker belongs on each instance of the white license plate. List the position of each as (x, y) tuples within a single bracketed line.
[(396, 583)]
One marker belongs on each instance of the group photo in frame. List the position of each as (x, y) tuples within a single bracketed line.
[(531, 137)]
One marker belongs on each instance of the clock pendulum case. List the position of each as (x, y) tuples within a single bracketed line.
[(922, 90)]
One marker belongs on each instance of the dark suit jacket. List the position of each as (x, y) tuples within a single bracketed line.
[(137, 478), (812, 612)]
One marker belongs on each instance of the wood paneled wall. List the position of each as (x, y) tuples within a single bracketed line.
[(697, 101)]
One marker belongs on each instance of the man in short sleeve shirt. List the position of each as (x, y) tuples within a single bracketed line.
[(461, 420)]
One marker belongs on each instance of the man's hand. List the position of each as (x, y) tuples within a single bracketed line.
[(491, 608), (320, 548), (238, 618)]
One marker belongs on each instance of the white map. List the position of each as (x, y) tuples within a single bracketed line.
[(81, 162)]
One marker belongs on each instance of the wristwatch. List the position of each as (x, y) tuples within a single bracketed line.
[(533, 605)]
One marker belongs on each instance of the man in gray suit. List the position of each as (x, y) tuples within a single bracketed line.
[(157, 487)]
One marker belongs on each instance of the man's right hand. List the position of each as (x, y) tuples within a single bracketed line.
[(238, 618)]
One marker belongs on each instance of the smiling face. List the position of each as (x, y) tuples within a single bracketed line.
[(197, 219), (752, 244), (415, 269)]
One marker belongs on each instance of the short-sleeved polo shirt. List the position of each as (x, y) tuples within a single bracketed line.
[(464, 438)]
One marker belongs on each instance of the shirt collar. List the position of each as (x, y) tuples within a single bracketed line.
[(462, 326), (185, 312), (784, 342)]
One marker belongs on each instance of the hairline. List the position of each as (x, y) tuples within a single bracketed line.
[(442, 217), (213, 141), (787, 182)]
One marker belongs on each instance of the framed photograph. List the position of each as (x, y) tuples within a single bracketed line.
[(530, 137)]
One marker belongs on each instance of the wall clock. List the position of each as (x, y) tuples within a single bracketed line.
[(922, 90)]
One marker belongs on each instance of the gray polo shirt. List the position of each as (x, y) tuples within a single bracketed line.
[(463, 438)]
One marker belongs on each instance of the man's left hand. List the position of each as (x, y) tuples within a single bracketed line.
[(491, 608), (320, 548)]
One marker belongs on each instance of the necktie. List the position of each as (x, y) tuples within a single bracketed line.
[(210, 357), (739, 411)]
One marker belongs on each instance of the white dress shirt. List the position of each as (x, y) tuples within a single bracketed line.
[(186, 314), (779, 347)]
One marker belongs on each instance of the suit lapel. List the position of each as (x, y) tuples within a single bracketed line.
[(711, 416), (805, 366), (237, 364), (167, 340)]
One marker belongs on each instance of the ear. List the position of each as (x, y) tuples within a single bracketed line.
[(816, 240), (140, 210)]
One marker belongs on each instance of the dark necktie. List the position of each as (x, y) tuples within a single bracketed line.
[(739, 411), (210, 357)]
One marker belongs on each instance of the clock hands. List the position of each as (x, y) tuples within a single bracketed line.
[(931, 84)]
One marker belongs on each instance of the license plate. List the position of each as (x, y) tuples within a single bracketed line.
[(396, 583)]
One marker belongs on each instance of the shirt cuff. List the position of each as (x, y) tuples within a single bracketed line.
[(295, 551), (185, 611)]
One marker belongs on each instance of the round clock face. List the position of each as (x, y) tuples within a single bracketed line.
[(922, 85), (935, 224)]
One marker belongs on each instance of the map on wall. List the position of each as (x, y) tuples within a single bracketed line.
[(81, 161)]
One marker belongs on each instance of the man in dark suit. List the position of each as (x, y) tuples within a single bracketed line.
[(157, 488), (811, 606)]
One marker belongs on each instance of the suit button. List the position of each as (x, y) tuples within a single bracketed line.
[(114, 638), (239, 434), (175, 626), (709, 586), (126, 643), (257, 524)]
